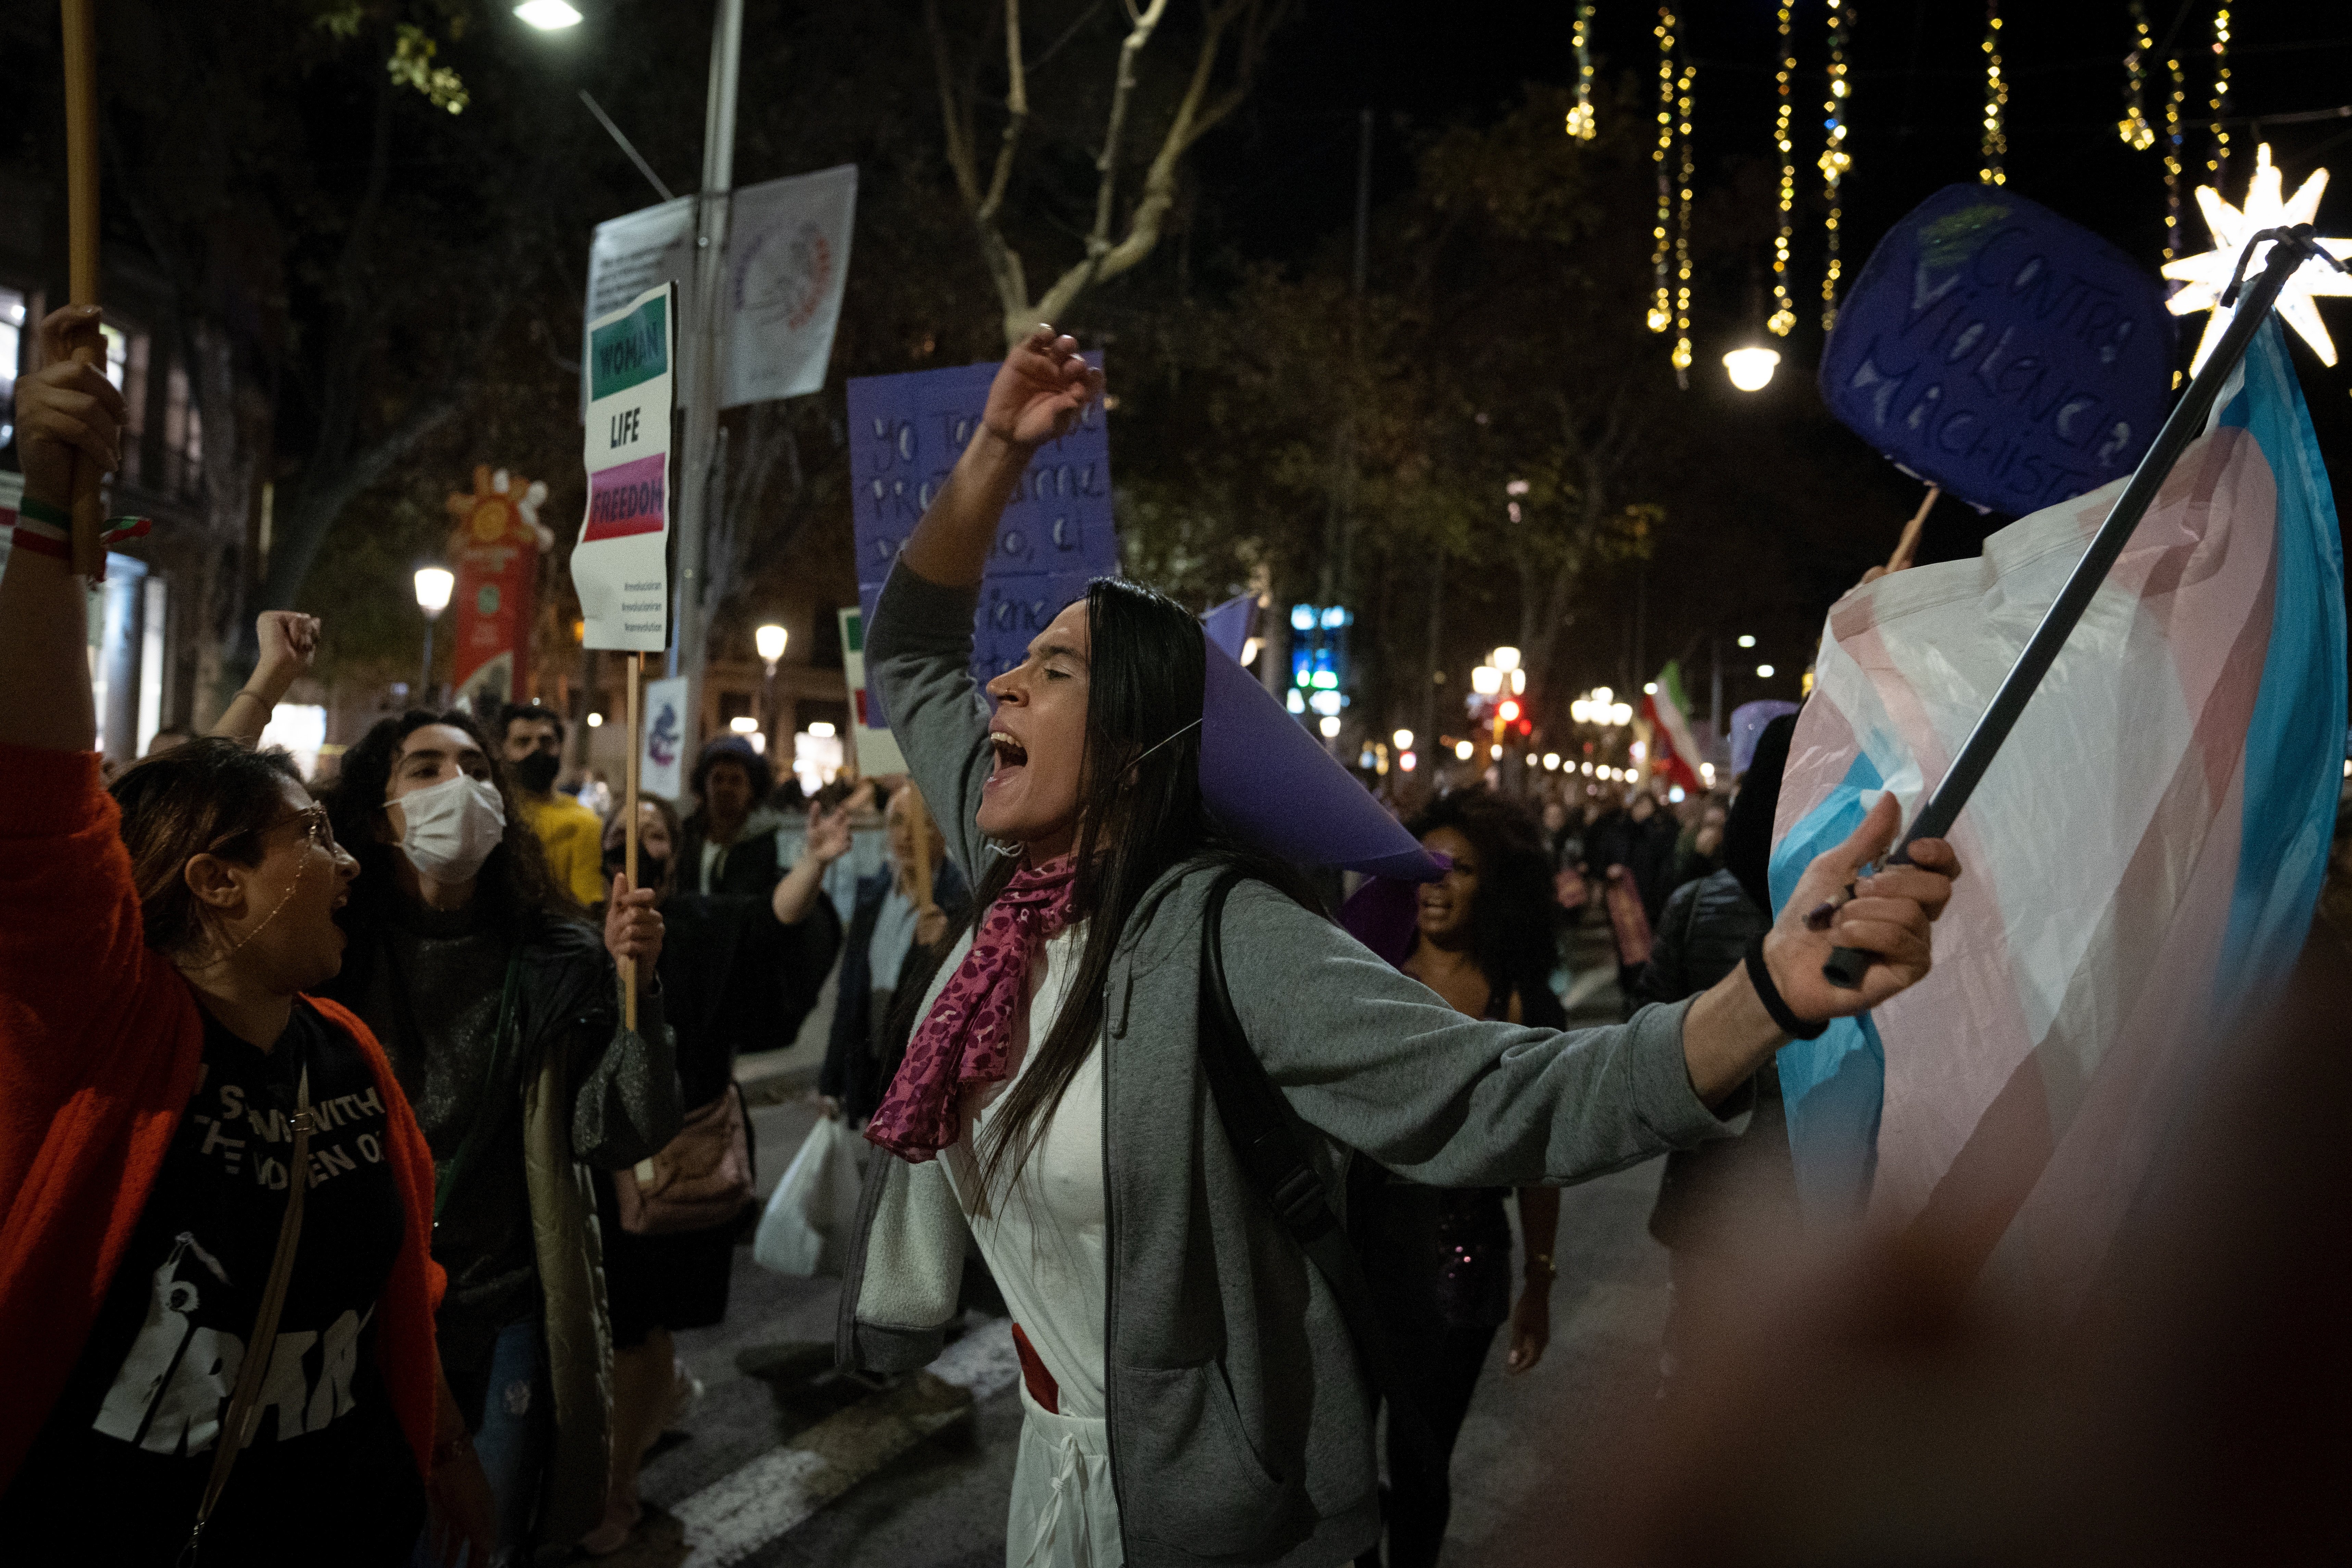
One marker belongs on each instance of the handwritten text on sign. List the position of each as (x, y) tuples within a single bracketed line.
[(905, 432), (2001, 351), (621, 564)]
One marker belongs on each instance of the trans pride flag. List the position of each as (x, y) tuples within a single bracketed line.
[(2142, 859)]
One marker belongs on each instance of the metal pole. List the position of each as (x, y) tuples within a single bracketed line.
[(2293, 247), (425, 680), (691, 632)]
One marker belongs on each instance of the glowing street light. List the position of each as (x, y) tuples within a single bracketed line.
[(434, 584), (1487, 681), (1462, 750), (1747, 641), (1403, 739), (1329, 726), (1764, 670), (1552, 762), (1751, 368), (1505, 658), (547, 15), (769, 640)]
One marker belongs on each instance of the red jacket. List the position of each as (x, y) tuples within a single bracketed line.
[(100, 1040)]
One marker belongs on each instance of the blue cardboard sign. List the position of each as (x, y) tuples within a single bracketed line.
[(1999, 351), (905, 435)]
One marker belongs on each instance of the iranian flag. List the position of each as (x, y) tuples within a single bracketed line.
[(1674, 754)]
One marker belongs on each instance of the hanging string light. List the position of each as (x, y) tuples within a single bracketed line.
[(1682, 234), (1783, 320), (1661, 299), (1834, 160), (1580, 117), (1995, 110), (2137, 134), (2174, 103), (2218, 165)]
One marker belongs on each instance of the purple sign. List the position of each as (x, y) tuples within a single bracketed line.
[(905, 432), (1999, 351)]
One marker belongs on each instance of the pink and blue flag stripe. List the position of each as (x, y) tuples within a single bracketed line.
[(2143, 858)]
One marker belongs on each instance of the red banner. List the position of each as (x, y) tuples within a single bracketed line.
[(495, 554)]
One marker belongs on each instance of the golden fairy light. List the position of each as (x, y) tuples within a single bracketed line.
[(1834, 160), (1783, 320), (1580, 117), (2137, 134), (1661, 299), (2218, 165), (2204, 277), (1682, 232), (2174, 103), (1996, 109)]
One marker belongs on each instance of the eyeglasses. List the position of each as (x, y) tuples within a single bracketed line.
[(317, 827)]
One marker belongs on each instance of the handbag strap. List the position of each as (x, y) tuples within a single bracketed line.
[(485, 1126), (244, 1405), (1252, 1112)]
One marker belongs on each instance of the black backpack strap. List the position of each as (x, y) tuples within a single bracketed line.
[(1253, 1112)]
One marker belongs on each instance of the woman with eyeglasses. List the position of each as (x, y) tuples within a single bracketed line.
[(157, 1051)]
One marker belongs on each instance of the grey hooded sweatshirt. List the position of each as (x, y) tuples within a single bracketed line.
[(1240, 1421)]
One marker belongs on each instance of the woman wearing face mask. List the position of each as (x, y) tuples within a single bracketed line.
[(1191, 1390), (1439, 1259), (501, 1015), (733, 978), (156, 1052)]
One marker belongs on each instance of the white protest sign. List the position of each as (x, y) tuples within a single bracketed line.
[(631, 254), (620, 565), (787, 260), (877, 750), (661, 760)]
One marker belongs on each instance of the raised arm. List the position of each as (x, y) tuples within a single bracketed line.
[(65, 412), (289, 642), (1037, 396), (828, 840), (918, 647)]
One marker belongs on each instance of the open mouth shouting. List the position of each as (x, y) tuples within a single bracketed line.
[(1011, 757)]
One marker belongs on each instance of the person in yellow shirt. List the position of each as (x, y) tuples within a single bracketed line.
[(533, 739)]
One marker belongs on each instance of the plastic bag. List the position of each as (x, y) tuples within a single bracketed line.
[(812, 1217)]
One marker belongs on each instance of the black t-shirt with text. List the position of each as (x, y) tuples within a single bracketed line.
[(120, 1465)]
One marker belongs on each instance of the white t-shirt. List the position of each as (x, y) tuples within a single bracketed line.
[(1042, 1231)]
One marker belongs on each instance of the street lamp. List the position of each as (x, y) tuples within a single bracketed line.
[(434, 584), (1751, 368), (1403, 739), (1487, 681), (769, 640), (1506, 658), (547, 15)]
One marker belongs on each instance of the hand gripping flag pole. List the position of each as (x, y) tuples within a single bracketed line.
[(2292, 248)]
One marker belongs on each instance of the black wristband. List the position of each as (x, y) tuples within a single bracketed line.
[(1759, 975)]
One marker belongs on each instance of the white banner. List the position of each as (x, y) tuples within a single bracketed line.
[(621, 564), (787, 260), (661, 763)]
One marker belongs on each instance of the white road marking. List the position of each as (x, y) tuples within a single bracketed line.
[(743, 1510)]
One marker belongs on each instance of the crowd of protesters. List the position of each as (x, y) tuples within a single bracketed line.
[(366, 1150)]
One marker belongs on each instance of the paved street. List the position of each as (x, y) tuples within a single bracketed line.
[(790, 1464)]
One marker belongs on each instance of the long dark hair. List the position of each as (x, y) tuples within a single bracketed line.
[(208, 796), (1510, 917), (515, 885), (1146, 668)]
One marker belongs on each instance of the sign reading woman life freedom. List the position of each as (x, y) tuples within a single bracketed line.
[(1999, 351), (620, 565)]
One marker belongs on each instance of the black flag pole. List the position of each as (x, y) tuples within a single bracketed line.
[(2292, 248)]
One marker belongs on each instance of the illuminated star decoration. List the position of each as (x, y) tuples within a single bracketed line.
[(2206, 276)]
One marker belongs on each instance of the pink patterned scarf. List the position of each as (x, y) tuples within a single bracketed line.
[(967, 1037)]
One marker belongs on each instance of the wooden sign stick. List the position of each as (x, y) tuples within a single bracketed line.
[(629, 824), (1910, 540), (81, 206), (922, 868)]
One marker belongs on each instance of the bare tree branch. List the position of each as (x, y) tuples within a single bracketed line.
[(1016, 115)]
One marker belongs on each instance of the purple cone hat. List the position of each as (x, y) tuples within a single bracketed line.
[(1271, 784)]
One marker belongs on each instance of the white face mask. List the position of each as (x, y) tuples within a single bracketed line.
[(452, 826)]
